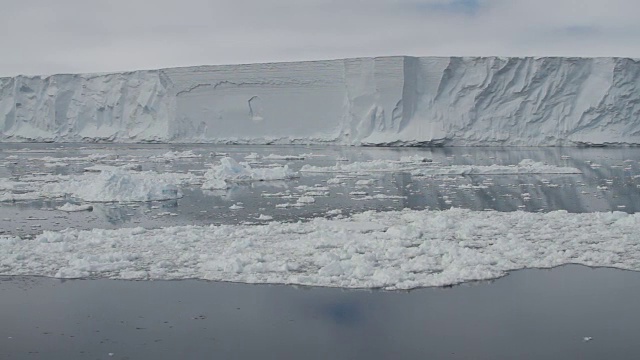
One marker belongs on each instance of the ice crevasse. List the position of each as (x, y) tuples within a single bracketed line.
[(443, 101)]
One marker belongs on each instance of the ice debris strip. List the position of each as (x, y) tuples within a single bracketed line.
[(104, 183), (399, 100), (109, 184), (389, 250), (426, 168)]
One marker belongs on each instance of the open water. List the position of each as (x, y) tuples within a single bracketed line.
[(571, 312)]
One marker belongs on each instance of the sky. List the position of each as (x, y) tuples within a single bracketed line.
[(70, 36)]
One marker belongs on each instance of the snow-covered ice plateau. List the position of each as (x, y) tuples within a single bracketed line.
[(401, 100)]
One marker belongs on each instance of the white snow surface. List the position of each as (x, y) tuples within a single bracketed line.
[(398, 100), (389, 250)]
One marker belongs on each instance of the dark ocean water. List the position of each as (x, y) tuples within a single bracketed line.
[(530, 314)]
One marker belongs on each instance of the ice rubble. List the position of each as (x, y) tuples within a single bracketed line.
[(68, 207), (110, 184), (219, 177), (175, 155), (526, 166), (420, 168), (116, 186), (128, 183), (371, 101), (390, 250)]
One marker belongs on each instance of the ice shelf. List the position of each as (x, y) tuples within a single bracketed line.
[(456, 101)]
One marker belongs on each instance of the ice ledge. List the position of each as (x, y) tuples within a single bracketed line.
[(385, 101)]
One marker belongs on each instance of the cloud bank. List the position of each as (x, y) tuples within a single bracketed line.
[(45, 37)]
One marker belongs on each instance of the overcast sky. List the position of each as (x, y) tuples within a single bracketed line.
[(46, 36)]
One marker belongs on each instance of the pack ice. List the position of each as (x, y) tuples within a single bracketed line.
[(390, 250), (365, 101)]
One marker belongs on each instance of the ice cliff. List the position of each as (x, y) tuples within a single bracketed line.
[(365, 101)]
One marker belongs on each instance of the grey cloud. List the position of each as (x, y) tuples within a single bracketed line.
[(42, 37)]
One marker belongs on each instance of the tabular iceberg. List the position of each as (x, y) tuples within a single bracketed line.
[(444, 101)]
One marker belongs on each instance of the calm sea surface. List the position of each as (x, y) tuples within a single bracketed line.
[(571, 312)]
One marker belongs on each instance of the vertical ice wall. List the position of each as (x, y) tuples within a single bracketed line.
[(113, 107), (524, 101), (258, 102), (375, 101)]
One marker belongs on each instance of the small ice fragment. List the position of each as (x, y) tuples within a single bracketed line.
[(236, 207), (587, 338), (68, 207), (365, 182), (306, 200), (133, 167)]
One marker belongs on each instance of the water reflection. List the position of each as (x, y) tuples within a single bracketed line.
[(346, 313), (531, 314), (609, 182)]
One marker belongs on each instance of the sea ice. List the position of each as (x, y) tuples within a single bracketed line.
[(229, 171), (68, 207), (390, 250), (526, 166), (425, 168), (110, 184)]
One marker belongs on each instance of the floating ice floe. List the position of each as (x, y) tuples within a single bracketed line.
[(302, 201), (100, 168), (8, 196), (283, 157), (363, 167), (111, 184), (115, 186), (229, 171), (389, 250), (68, 207), (526, 166), (252, 156), (306, 200), (379, 197), (365, 182), (416, 166), (176, 155)]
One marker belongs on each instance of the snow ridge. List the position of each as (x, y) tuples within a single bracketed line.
[(456, 101)]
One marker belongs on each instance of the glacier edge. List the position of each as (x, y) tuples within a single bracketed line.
[(392, 101)]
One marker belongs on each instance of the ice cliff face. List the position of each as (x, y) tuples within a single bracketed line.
[(134, 106), (364, 101)]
